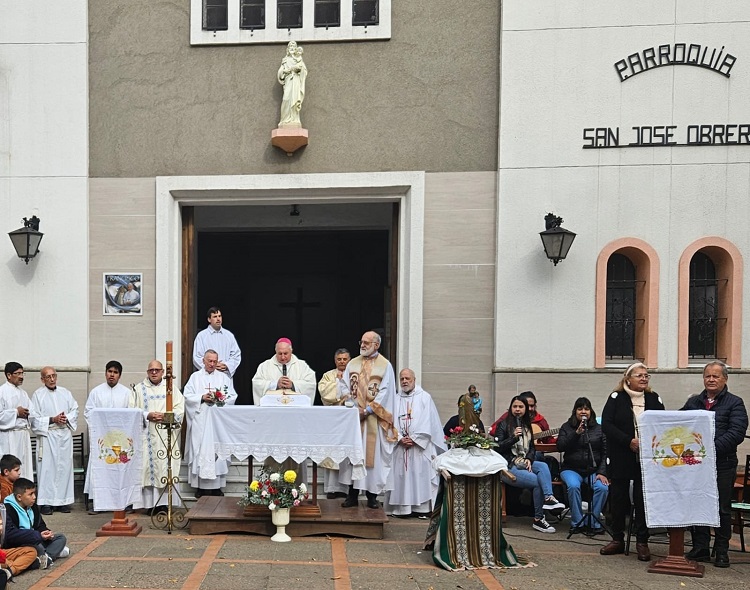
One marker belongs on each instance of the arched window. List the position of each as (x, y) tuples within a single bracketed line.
[(627, 303), (710, 303), (704, 308), (621, 308)]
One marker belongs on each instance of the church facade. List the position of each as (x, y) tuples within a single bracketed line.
[(140, 134)]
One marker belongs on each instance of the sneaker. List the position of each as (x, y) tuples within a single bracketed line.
[(65, 552), (543, 526), (43, 561), (551, 503)]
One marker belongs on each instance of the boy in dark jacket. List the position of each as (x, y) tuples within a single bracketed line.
[(25, 527)]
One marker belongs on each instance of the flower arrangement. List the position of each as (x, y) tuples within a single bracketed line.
[(275, 490), (460, 438), (219, 396)]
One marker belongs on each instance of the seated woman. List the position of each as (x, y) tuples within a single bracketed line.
[(516, 444), (584, 446)]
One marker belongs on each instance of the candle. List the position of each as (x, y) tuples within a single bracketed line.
[(169, 376)]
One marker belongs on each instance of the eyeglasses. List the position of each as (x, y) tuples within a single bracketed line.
[(50, 376), (642, 376), (364, 343), (154, 370)]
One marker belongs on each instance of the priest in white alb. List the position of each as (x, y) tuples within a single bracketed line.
[(205, 389), (283, 371), (413, 482), (371, 385), (54, 414), (150, 396), (217, 338), (110, 394), (15, 430), (328, 388)]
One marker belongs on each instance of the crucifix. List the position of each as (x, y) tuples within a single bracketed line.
[(299, 308)]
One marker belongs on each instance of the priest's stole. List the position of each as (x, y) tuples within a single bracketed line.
[(678, 463), (115, 457)]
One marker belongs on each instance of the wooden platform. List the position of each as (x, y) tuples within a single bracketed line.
[(222, 514)]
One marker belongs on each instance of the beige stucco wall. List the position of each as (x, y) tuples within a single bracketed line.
[(425, 100)]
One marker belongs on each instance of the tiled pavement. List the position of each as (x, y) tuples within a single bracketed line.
[(238, 562)]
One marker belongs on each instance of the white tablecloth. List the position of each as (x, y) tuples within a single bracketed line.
[(315, 432)]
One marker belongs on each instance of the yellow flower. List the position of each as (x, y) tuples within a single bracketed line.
[(290, 476), (254, 486)]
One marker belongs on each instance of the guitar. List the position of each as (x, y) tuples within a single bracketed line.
[(537, 432)]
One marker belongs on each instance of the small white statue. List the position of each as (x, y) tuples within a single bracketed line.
[(291, 75)]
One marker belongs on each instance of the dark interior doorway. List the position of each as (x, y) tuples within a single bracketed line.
[(321, 289)]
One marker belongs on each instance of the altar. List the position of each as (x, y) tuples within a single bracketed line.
[(301, 433)]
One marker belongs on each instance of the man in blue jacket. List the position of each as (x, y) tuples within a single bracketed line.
[(730, 418), (25, 526)]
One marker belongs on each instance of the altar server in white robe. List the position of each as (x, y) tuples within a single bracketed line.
[(284, 371), (150, 395), (413, 483), (55, 418), (217, 338), (200, 395), (110, 394), (371, 385), (15, 429), (328, 388)]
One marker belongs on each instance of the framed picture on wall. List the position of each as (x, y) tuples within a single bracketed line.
[(123, 293)]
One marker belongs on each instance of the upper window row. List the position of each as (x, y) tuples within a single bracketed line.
[(280, 21)]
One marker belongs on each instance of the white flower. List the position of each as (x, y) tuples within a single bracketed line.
[(474, 428), (294, 493), (272, 506), (275, 477), (303, 488), (264, 493)]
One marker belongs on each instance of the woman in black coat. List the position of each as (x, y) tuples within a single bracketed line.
[(584, 446), (630, 399)]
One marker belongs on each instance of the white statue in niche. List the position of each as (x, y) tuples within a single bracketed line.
[(291, 76)]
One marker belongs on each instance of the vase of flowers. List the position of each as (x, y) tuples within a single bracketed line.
[(219, 396), (277, 491), (469, 438)]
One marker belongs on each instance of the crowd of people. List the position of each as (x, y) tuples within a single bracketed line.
[(401, 434)]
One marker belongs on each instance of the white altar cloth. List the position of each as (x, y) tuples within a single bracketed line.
[(315, 432)]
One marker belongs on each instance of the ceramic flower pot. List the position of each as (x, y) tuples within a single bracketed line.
[(280, 517)]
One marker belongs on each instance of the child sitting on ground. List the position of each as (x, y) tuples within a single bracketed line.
[(17, 559), (25, 526)]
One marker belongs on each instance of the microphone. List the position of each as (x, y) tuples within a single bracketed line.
[(283, 370), (584, 421), (518, 422)]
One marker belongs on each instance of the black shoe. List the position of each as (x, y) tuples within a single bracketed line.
[(722, 560), (331, 496), (198, 493), (698, 554), (350, 502), (372, 501), (158, 510), (45, 510), (217, 492), (64, 509)]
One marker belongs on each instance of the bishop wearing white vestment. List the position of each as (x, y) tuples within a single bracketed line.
[(413, 483), (15, 430), (283, 371), (200, 397), (110, 394), (219, 339), (150, 395), (55, 418), (371, 385)]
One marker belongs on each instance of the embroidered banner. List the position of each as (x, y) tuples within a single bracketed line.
[(115, 457), (678, 462)]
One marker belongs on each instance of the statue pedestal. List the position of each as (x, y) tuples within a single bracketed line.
[(289, 139)]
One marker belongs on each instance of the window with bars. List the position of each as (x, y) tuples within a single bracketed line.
[(621, 308), (289, 14), (327, 13), (704, 308), (253, 14), (215, 15)]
